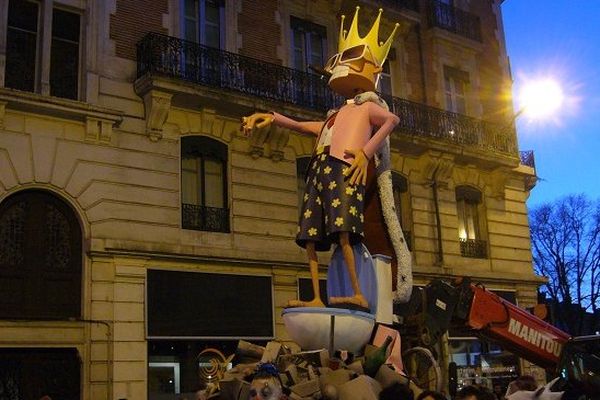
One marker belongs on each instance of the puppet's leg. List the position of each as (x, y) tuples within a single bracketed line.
[(358, 298), (313, 264)]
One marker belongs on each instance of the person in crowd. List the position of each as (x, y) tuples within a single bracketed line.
[(524, 382), (397, 391), (266, 384), (469, 393), (431, 395)]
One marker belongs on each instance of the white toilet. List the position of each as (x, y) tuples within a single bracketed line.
[(310, 327)]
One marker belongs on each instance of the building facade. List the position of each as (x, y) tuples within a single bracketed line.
[(139, 227)]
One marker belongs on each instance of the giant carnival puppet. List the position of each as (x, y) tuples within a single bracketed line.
[(348, 191)]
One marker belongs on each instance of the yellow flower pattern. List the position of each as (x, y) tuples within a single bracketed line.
[(327, 186)]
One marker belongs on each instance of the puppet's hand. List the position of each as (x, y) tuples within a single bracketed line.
[(358, 169), (258, 120)]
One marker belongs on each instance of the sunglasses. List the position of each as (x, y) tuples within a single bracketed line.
[(350, 54)]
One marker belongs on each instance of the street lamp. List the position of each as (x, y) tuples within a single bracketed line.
[(540, 98)]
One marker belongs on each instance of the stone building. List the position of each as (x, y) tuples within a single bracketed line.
[(138, 226)]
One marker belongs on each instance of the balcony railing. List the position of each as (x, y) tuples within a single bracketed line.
[(182, 59), (412, 5), (473, 248), (202, 218), (454, 19), (527, 158), (166, 56), (428, 122)]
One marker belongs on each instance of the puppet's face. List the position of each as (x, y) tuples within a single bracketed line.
[(353, 71), (265, 389)]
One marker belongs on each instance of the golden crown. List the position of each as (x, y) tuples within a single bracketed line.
[(352, 38)]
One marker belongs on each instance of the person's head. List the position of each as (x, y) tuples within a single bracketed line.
[(485, 394), (468, 393), (431, 395), (358, 63), (397, 391), (266, 384), (524, 382)]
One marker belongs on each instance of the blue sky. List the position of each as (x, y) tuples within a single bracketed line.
[(559, 38)]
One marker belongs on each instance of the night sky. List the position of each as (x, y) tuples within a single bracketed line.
[(559, 39)]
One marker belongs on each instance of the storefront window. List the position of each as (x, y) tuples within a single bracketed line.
[(180, 368), (482, 363), (195, 322)]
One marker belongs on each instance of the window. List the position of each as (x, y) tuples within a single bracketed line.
[(455, 86), (26, 56), (187, 327), (482, 362), (203, 22), (64, 54), (204, 184), (36, 373), (385, 82), (402, 205), (308, 44), (468, 202), (41, 259), (174, 296), (302, 164)]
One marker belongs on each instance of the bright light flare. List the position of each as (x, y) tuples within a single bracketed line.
[(541, 99)]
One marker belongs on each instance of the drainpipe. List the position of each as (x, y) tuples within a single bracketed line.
[(434, 188)]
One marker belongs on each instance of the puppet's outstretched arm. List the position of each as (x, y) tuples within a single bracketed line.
[(261, 120)]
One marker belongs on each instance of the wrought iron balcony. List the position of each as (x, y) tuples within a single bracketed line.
[(160, 55), (454, 19), (203, 218), (412, 5), (527, 158), (182, 59), (473, 248), (428, 122)]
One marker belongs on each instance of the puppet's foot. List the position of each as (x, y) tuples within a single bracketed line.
[(300, 303), (358, 300)]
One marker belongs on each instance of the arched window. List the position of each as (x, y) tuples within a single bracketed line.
[(468, 203), (402, 205), (40, 257), (204, 184), (302, 164)]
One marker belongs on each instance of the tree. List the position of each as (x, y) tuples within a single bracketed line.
[(565, 241)]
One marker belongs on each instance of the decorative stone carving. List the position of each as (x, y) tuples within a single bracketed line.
[(156, 105), (440, 168), (98, 130), (278, 139), (258, 140)]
